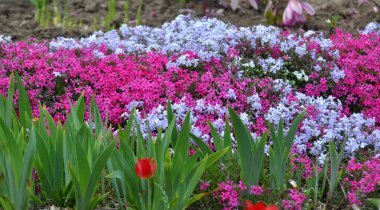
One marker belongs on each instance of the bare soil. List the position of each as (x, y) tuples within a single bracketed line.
[(17, 16)]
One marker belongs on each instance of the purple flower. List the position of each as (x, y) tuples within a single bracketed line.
[(294, 12)]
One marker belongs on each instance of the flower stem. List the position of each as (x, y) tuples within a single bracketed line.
[(149, 195)]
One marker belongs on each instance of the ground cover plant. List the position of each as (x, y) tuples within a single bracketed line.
[(256, 117)]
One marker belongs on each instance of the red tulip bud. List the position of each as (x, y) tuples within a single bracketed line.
[(145, 168), (259, 206)]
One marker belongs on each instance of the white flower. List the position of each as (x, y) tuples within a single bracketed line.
[(5, 39), (231, 94), (301, 50), (250, 64), (56, 74)]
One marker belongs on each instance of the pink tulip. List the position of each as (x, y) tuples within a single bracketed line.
[(294, 12)]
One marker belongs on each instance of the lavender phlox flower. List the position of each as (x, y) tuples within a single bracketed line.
[(373, 27), (61, 42), (254, 102), (328, 123), (231, 94)]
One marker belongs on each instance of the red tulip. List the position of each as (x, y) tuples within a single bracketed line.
[(259, 206), (145, 168)]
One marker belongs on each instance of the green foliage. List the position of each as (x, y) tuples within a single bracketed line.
[(126, 11), (74, 148), (91, 151), (18, 146), (335, 173), (333, 22), (25, 111), (139, 12), (57, 13), (49, 12), (222, 143), (272, 17), (39, 3), (279, 151), (66, 15), (72, 160), (375, 202), (41, 7), (44, 13), (251, 153), (177, 175), (111, 15), (51, 161)]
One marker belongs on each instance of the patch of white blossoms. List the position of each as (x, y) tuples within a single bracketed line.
[(254, 102), (157, 118), (208, 37), (373, 27), (211, 38), (5, 39), (325, 125)]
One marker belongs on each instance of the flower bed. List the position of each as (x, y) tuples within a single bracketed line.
[(203, 66), (261, 71)]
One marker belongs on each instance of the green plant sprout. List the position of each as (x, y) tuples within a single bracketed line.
[(139, 13), (126, 11)]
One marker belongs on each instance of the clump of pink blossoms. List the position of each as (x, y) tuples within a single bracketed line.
[(295, 201), (359, 58), (363, 178)]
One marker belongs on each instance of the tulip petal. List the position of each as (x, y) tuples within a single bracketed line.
[(269, 6), (273, 207), (300, 19), (296, 6), (308, 8), (287, 16), (258, 206), (249, 204), (234, 4), (254, 4)]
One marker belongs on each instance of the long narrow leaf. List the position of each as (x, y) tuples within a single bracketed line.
[(242, 137), (24, 104), (9, 109)]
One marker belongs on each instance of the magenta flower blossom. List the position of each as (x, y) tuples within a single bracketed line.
[(295, 201), (241, 185), (294, 12), (256, 190), (204, 186)]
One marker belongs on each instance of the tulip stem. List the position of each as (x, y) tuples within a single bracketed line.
[(149, 195)]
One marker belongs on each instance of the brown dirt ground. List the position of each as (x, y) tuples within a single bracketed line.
[(17, 16)]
